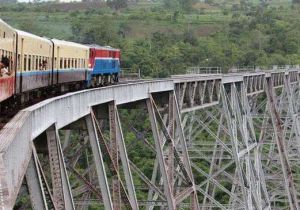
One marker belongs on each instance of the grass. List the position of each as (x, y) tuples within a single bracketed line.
[(142, 19)]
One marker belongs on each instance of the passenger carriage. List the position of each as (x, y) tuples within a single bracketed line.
[(34, 66), (7, 56), (70, 62)]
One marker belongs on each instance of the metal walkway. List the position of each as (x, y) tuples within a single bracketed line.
[(211, 141)]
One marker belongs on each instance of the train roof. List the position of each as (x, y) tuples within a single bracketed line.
[(69, 44), (4, 23), (26, 34), (102, 47)]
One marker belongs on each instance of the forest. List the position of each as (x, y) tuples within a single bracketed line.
[(166, 37)]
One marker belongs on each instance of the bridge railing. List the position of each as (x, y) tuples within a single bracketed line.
[(130, 73), (243, 69), (204, 70)]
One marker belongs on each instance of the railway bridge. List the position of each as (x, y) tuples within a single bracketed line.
[(197, 141)]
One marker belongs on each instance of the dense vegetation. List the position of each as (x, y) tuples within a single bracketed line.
[(165, 37)]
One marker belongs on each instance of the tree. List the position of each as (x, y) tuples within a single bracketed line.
[(186, 5), (101, 32), (117, 4), (171, 4)]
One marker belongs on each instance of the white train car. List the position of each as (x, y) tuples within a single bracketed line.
[(34, 68), (70, 62)]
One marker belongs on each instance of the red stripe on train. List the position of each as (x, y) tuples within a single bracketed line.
[(7, 86)]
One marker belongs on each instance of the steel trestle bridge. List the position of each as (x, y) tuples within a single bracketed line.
[(212, 141)]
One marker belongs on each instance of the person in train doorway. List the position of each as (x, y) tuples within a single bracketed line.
[(4, 64)]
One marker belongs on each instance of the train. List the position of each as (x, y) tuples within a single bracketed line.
[(29, 63)]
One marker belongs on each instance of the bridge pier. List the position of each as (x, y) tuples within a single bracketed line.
[(99, 164), (62, 196), (230, 142), (280, 133), (35, 183)]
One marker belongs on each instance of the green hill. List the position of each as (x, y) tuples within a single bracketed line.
[(163, 41)]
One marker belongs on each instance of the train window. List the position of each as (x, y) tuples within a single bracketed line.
[(11, 61), (19, 62), (61, 63), (41, 62), (4, 35), (65, 63), (29, 63), (72, 63), (37, 63), (32, 66), (25, 62), (76, 63), (69, 63), (45, 63)]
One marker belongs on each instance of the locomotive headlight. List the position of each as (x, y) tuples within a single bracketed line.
[(90, 65)]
